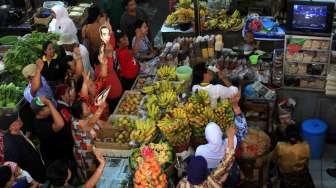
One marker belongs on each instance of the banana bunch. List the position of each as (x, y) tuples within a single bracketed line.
[(167, 98), (200, 97), (171, 19), (153, 111), (223, 114), (184, 15), (144, 130), (151, 99), (178, 113), (166, 73), (236, 14), (175, 130), (149, 89), (165, 85)]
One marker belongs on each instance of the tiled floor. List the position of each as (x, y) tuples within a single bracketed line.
[(318, 168)]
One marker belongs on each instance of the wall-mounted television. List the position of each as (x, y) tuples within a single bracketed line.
[(309, 17)]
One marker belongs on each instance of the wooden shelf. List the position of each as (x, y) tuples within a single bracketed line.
[(297, 62), (303, 89), (305, 76)]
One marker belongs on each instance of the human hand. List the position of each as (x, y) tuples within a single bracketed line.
[(39, 65), (45, 100), (221, 75), (99, 156), (138, 33), (235, 100), (86, 76), (101, 57)]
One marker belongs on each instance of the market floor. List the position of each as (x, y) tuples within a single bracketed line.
[(318, 168)]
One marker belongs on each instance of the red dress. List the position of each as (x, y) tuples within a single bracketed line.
[(111, 80)]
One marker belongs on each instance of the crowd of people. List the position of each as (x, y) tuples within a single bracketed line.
[(62, 90)]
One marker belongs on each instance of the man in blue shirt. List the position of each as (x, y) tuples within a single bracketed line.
[(38, 85)]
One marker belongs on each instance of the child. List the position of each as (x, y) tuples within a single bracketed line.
[(21, 176), (128, 67)]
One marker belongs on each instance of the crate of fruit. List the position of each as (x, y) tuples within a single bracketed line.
[(129, 103), (143, 81), (122, 120), (114, 138)]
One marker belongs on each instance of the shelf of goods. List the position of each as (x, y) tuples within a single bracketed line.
[(306, 61)]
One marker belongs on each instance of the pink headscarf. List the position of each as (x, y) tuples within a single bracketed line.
[(12, 165)]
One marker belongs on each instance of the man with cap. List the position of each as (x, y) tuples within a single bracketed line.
[(49, 126), (37, 84), (14, 146), (78, 51)]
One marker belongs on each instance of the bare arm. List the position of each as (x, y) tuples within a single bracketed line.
[(95, 118), (103, 62), (91, 183), (78, 61), (84, 92), (58, 123), (36, 82)]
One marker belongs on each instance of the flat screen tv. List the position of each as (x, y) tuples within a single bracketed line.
[(309, 17)]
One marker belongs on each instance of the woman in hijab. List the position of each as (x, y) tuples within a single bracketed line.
[(197, 170), (214, 150), (62, 23)]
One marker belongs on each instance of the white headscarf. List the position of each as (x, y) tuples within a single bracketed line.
[(62, 23), (214, 150)]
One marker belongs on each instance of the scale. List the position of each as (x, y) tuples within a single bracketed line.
[(116, 173)]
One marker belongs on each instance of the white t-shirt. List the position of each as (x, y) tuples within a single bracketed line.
[(217, 91)]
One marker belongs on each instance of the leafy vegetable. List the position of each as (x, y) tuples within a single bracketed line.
[(26, 51), (8, 40), (10, 95)]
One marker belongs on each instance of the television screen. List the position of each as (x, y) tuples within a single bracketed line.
[(310, 17)]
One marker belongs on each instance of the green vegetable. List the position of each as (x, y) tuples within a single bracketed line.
[(10, 95), (24, 52), (8, 40)]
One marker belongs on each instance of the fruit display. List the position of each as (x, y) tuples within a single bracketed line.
[(162, 151), (175, 127), (149, 174), (144, 131), (166, 73), (142, 82), (122, 121), (223, 114), (115, 134), (153, 111), (200, 113), (10, 95), (223, 21), (166, 98), (164, 86), (129, 104), (183, 13)]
